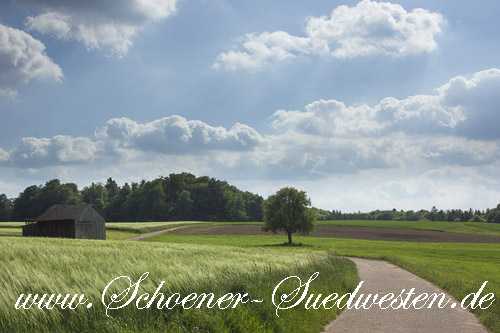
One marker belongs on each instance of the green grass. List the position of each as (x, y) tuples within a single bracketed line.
[(114, 230), (11, 224), (458, 227), (10, 231), (11, 228), (482, 228), (459, 268), (117, 235), (144, 227), (124, 230), (42, 265)]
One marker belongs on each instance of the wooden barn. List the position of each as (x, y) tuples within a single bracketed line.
[(68, 221)]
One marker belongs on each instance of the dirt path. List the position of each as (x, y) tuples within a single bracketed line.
[(381, 277), (151, 234)]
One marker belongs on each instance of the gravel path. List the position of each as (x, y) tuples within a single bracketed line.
[(151, 234), (381, 277)]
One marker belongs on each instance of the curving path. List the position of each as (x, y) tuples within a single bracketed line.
[(381, 277), (151, 234)]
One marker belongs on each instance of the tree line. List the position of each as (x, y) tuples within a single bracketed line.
[(453, 215), (176, 197), (187, 197)]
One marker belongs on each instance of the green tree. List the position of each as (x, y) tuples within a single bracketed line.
[(5, 208), (494, 215), (26, 205), (288, 210), (111, 188), (184, 206), (95, 194)]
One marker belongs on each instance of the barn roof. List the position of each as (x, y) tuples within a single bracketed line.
[(65, 212)]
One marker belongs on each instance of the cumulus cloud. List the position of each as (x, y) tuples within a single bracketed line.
[(4, 156), (464, 107), (122, 139), (23, 58), (177, 135), (327, 138), (369, 28), (97, 24), (58, 150), (451, 127), (477, 99), (327, 118)]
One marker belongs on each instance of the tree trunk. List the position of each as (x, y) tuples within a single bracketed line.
[(289, 238)]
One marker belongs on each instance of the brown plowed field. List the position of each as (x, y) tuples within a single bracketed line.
[(384, 234)]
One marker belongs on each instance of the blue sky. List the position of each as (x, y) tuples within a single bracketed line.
[(363, 105)]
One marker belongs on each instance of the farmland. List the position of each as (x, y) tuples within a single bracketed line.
[(369, 233), (458, 268), (123, 230), (114, 231), (36, 265), (481, 228), (184, 256)]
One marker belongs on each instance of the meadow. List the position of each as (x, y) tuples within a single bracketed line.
[(38, 266), (124, 230), (458, 268), (482, 228), (114, 230)]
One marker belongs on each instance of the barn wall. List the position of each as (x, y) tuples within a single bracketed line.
[(30, 230), (62, 228), (90, 225)]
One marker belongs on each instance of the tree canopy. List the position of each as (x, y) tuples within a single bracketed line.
[(175, 197), (288, 210)]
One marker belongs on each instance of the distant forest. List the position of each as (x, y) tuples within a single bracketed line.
[(453, 215), (184, 197), (178, 197)]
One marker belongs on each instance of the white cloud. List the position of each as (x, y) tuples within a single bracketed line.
[(446, 188), (22, 58), (4, 156), (464, 107), (124, 140), (58, 150), (327, 138), (369, 28), (477, 99), (177, 135), (11, 189), (329, 118), (98, 24)]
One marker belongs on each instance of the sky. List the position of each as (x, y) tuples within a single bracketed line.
[(362, 104)]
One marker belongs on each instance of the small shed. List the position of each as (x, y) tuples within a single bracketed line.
[(68, 221)]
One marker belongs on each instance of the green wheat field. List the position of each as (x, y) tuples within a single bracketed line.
[(222, 264)]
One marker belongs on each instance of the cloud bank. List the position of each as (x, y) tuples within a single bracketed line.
[(452, 127), (177, 135), (110, 24), (436, 149), (367, 29), (23, 58)]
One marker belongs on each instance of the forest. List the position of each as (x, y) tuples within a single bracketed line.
[(185, 197), (449, 215), (176, 197)]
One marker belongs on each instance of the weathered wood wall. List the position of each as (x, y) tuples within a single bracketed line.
[(61, 229), (90, 225)]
